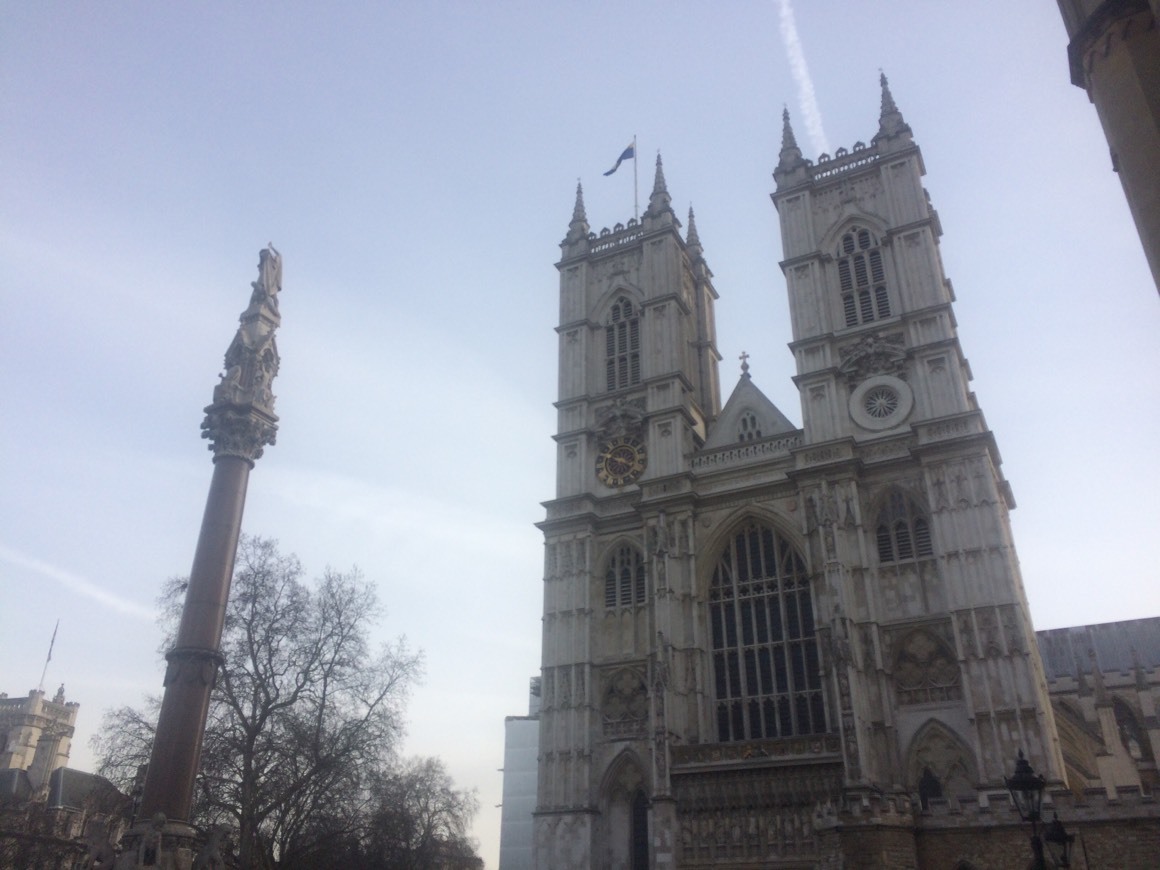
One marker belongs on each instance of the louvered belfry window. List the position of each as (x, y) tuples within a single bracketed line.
[(624, 582), (765, 655), (903, 530), (862, 278), (622, 346)]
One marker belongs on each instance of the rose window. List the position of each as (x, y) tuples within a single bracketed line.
[(880, 402)]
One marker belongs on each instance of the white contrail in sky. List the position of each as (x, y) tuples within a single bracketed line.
[(77, 584), (811, 114)]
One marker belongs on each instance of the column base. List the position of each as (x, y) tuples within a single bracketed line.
[(159, 844)]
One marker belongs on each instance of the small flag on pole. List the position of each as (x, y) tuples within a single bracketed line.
[(628, 153)]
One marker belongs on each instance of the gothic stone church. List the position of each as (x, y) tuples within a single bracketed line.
[(767, 646)]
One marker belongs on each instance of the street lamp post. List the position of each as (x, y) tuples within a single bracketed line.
[(1055, 835), (1026, 788)]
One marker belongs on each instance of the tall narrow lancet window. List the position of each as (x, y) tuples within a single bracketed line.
[(903, 530), (624, 582), (862, 278), (622, 346), (765, 654)]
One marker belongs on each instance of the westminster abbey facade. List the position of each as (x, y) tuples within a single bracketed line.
[(771, 646)]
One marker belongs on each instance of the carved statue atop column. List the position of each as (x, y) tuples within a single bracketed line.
[(241, 421)]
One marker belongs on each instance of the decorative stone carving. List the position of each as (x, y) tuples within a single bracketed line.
[(966, 633), (866, 633), (101, 847), (876, 354), (548, 689), (239, 434), (241, 421), (939, 750), (786, 748), (1012, 628), (840, 651), (192, 666), (988, 626), (564, 687), (925, 670), (149, 849), (210, 856), (622, 419), (624, 706), (850, 739)]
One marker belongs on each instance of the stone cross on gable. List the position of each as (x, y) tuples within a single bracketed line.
[(744, 362)]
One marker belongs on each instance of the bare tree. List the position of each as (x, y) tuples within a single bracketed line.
[(305, 715), (420, 820), (123, 743)]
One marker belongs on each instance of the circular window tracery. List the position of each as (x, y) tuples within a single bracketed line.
[(880, 402)]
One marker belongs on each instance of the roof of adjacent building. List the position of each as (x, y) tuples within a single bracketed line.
[(1117, 646)]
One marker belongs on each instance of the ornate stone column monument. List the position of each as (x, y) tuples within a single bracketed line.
[(239, 424)]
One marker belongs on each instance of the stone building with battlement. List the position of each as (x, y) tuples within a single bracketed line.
[(37, 734)]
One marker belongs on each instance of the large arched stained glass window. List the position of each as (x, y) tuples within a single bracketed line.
[(765, 654)]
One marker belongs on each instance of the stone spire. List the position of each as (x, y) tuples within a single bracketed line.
[(659, 202), (788, 140), (578, 215), (790, 163), (890, 123), (578, 228), (696, 252), (692, 240)]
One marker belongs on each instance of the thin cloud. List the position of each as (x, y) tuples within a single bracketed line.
[(811, 114), (77, 584)]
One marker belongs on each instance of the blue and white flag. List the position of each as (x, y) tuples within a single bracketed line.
[(628, 153)]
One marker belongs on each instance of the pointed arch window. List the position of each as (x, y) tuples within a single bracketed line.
[(765, 655), (862, 278), (624, 581), (903, 530), (622, 346)]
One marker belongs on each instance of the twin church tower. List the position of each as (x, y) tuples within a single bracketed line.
[(761, 641)]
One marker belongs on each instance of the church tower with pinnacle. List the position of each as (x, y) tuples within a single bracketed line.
[(764, 645)]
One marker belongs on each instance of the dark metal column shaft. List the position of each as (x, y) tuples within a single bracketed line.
[(194, 659)]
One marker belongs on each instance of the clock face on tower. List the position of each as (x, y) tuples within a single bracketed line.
[(620, 461)]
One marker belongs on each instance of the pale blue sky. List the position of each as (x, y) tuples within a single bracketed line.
[(415, 163)]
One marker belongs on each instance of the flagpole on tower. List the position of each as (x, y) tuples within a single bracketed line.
[(629, 153), (635, 187), (51, 644)]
